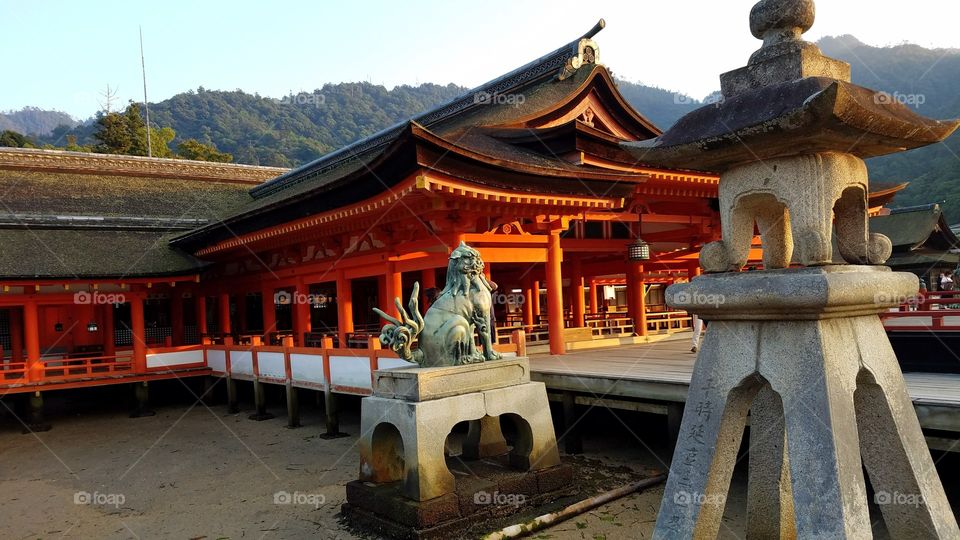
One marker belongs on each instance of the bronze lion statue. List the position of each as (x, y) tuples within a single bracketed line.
[(446, 332)]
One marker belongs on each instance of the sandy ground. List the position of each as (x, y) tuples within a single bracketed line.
[(196, 472)]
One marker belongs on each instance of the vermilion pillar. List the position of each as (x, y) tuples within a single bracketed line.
[(535, 301), (176, 318), (139, 336), (594, 301), (16, 334), (428, 280), (268, 305), (576, 289), (528, 293), (344, 307), (31, 335), (555, 294), (301, 312), (637, 298), (109, 331), (200, 305), (223, 312), (694, 269), (393, 289)]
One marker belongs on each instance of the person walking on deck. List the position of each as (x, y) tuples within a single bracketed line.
[(697, 332)]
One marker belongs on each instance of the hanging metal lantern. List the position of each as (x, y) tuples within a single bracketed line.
[(638, 251)]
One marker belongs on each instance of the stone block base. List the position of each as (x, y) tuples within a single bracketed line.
[(484, 489), (404, 440)]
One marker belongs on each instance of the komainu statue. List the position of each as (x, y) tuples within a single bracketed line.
[(446, 332)]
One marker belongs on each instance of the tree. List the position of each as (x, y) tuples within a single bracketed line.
[(137, 129), (74, 147), (15, 140), (126, 133), (113, 135), (194, 149)]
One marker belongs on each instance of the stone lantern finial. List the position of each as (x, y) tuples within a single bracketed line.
[(776, 21), (784, 55)]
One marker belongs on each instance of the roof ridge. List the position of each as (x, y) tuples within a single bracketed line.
[(525, 74)]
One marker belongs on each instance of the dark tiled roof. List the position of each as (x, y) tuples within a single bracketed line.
[(916, 227), (29, 192), (80, 254), (71, 225)]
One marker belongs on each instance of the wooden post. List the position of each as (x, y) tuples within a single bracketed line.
[(31, 327), (176, 318), (555, 294), (520, 338), (36, 422), (268, 304), (16, 334), (572, 441), (301, 313), (141, 394), (576, 289), (535, 302), (528, 294), (637, 298), (344, 308), (382, 294), (200, 305), (594, 301), (428, 280), (223, 312), (393, 289), (139, 337), (694, 270)]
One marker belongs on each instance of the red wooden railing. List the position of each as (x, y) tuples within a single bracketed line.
[(13, 371), (928, 310), (57, 369)]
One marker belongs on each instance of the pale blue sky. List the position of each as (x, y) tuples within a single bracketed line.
[(61, 55)]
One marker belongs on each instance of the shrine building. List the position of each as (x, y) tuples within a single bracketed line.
[(117, 269)]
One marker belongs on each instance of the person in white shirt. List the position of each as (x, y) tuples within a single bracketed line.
[(697, 331)]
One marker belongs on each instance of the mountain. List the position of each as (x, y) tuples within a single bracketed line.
[(662, 107), (33, 121), (927, 81), (298, 128), (287, 131)]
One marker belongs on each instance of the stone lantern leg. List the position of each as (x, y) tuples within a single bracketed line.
[(800, 349)]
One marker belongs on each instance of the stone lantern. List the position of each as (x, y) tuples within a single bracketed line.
[(802, 348)]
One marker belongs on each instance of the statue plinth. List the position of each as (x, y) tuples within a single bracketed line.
[(405, 470), (424, 384)]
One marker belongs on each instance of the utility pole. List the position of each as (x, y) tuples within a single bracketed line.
[(146, 105)]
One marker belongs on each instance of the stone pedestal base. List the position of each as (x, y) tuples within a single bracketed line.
[(805, 353), (405, 439), (406, 487), (485, 489)]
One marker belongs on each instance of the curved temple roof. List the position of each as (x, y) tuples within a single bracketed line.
[(467, 132)]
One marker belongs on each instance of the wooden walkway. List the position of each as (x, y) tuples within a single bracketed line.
[(655, 377)]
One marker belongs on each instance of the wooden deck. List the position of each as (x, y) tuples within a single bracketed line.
[(652, 377)]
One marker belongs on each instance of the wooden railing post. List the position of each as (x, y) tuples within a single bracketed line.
[(520, 338)]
